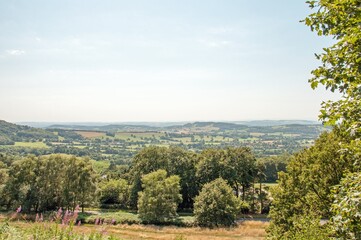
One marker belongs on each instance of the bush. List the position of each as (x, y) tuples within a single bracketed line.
[(216, 205), (159, 200)]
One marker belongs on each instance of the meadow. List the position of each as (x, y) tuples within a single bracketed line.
[(22, 229)]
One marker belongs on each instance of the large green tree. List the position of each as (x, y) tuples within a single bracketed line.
[(216, 205), (175, 160), (307, 185), (236, 165), (341, 63), (312, 174), (160, 197), (50, 182)]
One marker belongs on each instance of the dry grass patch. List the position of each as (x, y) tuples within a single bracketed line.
[(90, 134), (247, 230)]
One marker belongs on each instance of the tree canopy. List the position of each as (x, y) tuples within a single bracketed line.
[(159, 200), (341, 63)]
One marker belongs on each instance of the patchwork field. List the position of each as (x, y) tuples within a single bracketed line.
[(90, 134)]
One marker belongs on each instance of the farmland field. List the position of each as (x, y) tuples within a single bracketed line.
[(90, 134), (31, 144)]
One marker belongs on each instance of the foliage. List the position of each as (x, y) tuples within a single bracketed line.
[(307, 184), (216, 205), (47, 183), (341, 63), (307, 226), (114, 192), (346, 208), (159, 200), (236, 165), (272, 165), (175, 160)]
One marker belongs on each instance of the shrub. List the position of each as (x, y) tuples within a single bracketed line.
[(216, 205), (159, 200)]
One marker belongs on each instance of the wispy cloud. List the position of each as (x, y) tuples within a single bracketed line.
[(214, 43), (220, 30), (15, 52)]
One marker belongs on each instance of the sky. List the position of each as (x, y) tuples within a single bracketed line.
[(157, 60)]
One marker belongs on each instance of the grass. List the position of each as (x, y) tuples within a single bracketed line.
[(248, 230), (31, 144), (26, 229)]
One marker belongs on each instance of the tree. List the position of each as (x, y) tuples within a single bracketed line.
[(312, 174), (341, 63), (306, 186), (346, 208), (236, 165), (47, 183), (147, 160), (175, 160), (114, 192), (216, 205), (159, 200)]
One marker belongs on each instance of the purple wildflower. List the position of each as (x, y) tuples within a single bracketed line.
[(18, 209)]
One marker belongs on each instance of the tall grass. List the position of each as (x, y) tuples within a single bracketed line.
[(63, 225)]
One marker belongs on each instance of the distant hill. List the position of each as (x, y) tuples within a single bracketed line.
[(105, 128), (121, 125), (269, 123), (187, 127), (10, 133)]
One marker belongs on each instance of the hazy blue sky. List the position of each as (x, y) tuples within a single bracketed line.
[(157, 60)]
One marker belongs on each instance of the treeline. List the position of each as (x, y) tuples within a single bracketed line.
[(48, 182)]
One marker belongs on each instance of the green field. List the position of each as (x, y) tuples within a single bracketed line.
[(31, 144)]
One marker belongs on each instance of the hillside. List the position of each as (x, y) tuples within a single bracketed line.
[(11, 133)]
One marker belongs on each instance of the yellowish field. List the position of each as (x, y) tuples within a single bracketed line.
[(31, 144), (90, 134), (247, 231)]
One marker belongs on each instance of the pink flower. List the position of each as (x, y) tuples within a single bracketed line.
[(18, 209)]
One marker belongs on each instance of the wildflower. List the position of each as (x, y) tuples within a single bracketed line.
[(37, 217), (79, 223), (59, 214), (41, 217), (18, 209), (113, 221), (76, 212), (97, 221)]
